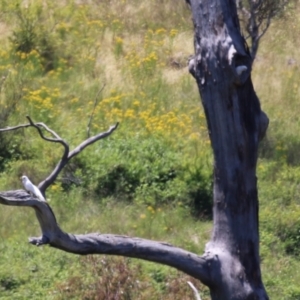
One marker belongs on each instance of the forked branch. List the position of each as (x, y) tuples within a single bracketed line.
[(65, 159), (96, 243), (256, 16), (67, 155)]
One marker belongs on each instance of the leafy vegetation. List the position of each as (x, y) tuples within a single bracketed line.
[(125, 61)]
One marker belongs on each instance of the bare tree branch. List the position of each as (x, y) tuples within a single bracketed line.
[(38, 125), (14, 127), (96, 243), (92, 140), (93, 111), (264, 30), (67, 155), (57, 138), (256, 15), (196, 293), (65, 159)]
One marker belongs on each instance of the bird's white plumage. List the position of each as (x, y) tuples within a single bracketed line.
[(31, 188)]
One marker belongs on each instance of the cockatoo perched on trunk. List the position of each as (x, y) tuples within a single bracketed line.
[(31, 188)]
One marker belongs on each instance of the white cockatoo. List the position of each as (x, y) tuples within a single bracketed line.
[(31, 188)]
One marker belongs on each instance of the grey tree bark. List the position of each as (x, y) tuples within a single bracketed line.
[(230, 266), (222, 69)]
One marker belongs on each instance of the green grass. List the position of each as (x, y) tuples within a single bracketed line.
[(152, 177)]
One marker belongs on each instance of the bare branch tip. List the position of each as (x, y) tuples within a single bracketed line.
[(29, 119)]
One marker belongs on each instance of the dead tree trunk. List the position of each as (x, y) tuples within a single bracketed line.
[(222, 68), (230, 266)]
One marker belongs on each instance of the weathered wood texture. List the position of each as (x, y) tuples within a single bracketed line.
[(222, 67)]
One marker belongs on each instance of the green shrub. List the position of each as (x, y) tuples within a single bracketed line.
[(9, 283), (144, 171), (199, 186), (281, 226), (118, 182)]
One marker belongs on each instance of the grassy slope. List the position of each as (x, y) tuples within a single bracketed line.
[(139, 50)]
